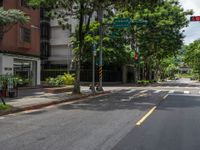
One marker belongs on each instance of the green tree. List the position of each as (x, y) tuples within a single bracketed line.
[(10, 17), (79, 9), (162, 36), (192, 56)]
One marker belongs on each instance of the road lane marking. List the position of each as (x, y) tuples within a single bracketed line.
[(143, 91), (165, 96), (171, 91), (125, 100), (186, 92), (146, 116), (1, 118), (130, 91), (158, 91)]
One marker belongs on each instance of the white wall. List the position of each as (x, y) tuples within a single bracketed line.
[(7, 65), (8, 62), (59, 36)]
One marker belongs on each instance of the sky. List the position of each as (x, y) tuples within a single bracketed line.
[(192, 32)]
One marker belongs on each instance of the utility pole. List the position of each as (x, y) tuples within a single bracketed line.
[(100, 19), (93, 68)]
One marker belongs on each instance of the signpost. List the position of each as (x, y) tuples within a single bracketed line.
[(122, 23)]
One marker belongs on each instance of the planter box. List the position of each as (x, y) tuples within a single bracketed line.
[(56, 90)]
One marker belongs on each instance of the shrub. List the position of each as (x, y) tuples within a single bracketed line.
[(61, 80), (68, 78)]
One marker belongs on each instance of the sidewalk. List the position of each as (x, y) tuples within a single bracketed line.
[(37, 98)]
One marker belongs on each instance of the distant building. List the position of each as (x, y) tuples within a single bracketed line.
[(20, 47), (56, 48)]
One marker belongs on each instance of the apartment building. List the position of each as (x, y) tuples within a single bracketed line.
[(20, 47), (56, 48)]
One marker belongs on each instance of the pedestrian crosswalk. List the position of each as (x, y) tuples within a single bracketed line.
[(158, 91)]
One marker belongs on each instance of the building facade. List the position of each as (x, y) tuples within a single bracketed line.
[(56, 48), (20, 46)]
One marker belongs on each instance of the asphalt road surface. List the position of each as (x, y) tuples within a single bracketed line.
[(109, 122), (173, 126)]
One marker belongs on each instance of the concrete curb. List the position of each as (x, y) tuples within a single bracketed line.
[(38, 106)]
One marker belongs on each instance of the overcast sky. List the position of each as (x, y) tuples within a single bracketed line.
[(193, 31)]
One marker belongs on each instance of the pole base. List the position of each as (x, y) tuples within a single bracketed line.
[(100, 89)]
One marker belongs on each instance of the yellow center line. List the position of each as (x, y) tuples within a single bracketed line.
[(146, 116)]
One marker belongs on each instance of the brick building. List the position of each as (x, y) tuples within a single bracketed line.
[(20, 47)]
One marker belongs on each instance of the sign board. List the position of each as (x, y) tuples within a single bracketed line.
[(195, 18), (121, 22)]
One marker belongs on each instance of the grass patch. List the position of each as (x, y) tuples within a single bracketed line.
[(5, 107)]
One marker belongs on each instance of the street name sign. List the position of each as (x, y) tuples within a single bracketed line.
[(121, 22)]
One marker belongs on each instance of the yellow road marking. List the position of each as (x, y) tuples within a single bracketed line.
[(146, 116)]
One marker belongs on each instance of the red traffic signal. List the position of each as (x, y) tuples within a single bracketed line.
[(195, 18), (136, 56)]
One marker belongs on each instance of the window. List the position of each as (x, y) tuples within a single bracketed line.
[(1, 3), (25, 35), (24, 3)]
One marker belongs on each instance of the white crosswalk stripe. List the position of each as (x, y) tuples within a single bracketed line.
[(130, 91), (171, 91), (186, 92), (143, 91), (2, 118), (158, 91)]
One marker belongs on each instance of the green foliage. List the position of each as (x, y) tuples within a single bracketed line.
[(61, 80), (5, 107), (146, 82), (10, 17), (192, 56), (68, 79)]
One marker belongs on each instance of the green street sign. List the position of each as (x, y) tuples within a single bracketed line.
[(121, 22), (139, 22)]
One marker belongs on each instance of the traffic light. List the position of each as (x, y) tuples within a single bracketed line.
[(195, 18), (136, 56)]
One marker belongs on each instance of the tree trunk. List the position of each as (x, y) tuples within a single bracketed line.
[(77, 89)]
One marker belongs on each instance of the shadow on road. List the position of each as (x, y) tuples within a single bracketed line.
[(115, 101), (180, 102)]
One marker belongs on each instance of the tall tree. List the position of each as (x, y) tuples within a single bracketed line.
[(79, 9)]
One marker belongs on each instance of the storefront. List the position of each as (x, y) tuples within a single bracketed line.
[(25, 67)]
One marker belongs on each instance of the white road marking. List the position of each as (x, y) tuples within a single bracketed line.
[(171, 91), (1, 118), (158, 91), (143, 91), (165, 96), (130, 91), (125, 100), (186, 92)]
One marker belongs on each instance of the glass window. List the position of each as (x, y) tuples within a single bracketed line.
[(1, 3), (25, 35), (24, 3)]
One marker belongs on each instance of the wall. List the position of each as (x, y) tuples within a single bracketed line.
[(11, 41)]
